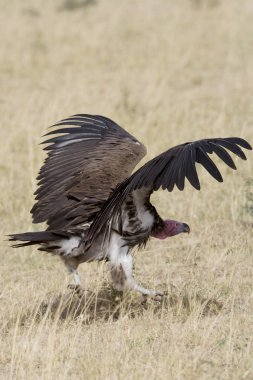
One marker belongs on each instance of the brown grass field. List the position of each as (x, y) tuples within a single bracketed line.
[(169, 72)]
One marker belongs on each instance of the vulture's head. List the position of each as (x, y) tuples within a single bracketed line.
[(170, 228)]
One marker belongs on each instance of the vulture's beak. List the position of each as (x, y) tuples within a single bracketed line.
[(186, 228)]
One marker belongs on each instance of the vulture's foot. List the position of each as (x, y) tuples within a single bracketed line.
[(77, 289), (160, 297), (154, 295)]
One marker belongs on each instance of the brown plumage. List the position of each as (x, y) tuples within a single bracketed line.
[(82, 168), (95, 209)]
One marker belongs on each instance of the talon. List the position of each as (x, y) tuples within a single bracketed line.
[(158, 297), (144, 298), (77, 289), (74, 287)]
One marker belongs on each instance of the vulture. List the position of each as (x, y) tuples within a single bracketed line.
[(96, 208)]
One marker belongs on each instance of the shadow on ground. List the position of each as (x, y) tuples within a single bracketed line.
[(108, 304)]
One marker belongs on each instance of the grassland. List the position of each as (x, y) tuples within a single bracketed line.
[(168, 71)]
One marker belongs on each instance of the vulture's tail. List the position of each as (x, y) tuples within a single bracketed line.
[(61, 243), (31, 238)]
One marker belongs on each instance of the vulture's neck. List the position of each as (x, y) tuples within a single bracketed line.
[(137, 219)]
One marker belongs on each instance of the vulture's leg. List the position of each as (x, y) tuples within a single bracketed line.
[(72, 264), (77, 278), (121, 267)]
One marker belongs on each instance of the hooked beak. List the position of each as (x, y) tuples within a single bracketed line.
[(186, 228)]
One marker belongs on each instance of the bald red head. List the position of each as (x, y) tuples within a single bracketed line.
[(171, 228)]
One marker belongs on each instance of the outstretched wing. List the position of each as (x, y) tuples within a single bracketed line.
[(85, 162), (167, 170)]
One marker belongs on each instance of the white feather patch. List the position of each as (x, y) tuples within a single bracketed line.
[(144, 215), (69, 246)]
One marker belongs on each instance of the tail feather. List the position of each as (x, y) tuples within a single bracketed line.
[(31, 238)]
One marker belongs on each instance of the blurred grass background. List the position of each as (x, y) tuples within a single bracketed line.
[(168, 72)]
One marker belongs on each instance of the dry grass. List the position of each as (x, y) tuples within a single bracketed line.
[(168, 71)]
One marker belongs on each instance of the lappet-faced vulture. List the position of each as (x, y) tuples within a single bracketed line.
[(96, 209)]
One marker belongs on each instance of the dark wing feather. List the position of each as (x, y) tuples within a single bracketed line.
[(86, 160), (167, 170)]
